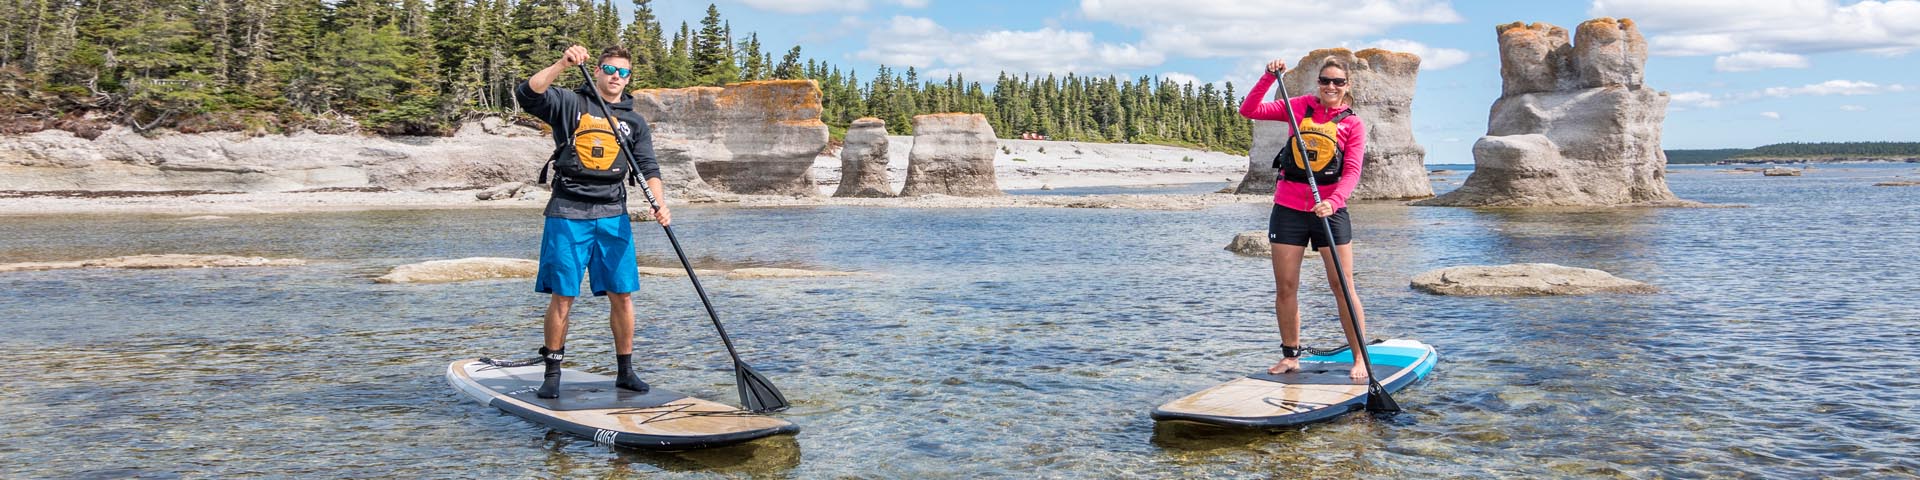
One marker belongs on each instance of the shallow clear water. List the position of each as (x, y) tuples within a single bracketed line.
[(994, 342)]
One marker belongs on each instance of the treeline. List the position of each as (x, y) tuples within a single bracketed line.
[(1835, 149), (1703, 156), (421, 66), (1092, 109), (1814, 151)]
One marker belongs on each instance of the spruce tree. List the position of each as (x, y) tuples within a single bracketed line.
[(537, 34), (642, 38), (256, 41), (751, 66), (216, 21), (713, 51), (789, 67), (677, 70)]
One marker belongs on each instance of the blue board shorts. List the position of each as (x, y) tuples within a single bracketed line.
[(601, 248)]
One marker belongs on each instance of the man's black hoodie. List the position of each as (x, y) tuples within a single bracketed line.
[(587, 198)]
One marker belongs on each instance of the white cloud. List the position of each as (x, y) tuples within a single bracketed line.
[(800, 7), (1431, 58), (1688, 100), (1695, 99), (1772, 115), (1231, 28), (1183, 78), (847, 25), (1833, 87), (1716, 27), (923, 43), (1760, 60), (807, 6)]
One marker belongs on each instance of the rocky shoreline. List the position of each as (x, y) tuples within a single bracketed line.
[(1820, 160), (121, 172)]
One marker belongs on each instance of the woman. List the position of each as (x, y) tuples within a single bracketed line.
[(1295, 224)]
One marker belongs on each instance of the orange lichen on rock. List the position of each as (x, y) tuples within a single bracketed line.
[(1524, 28), (783, 100), (1371, 53)]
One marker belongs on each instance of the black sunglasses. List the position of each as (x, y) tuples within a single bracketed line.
[(612, 70), (1338, 82)]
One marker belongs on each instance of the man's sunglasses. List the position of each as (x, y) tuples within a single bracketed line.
[(612, 70), (1338, 82)]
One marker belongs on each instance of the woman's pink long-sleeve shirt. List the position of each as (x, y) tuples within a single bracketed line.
[(1353, 140)]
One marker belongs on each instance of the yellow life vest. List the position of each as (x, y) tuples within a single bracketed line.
[(595, 144), (1323, 159)]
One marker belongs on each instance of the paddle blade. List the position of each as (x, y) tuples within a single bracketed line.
[(1378, 401), (757, 394)]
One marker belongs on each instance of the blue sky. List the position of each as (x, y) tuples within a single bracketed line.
[(1742, 73)]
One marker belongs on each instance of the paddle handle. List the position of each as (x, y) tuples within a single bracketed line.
[(1352, 319), (654, 204)]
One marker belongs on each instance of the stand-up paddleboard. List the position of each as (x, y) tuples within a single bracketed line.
[(590, 407), (1319, 390)]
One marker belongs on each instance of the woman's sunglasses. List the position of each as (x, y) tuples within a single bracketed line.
[(1338, 82), (621, 72)]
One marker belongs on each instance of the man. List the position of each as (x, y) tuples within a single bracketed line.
[(587, 230)]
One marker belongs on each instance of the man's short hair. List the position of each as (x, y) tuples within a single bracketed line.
[(615, 52)]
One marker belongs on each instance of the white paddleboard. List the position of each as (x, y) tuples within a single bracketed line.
[(1319, 391), (590, 407)]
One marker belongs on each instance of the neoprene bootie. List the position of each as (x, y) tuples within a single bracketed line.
[(550, 388), (626, 379)]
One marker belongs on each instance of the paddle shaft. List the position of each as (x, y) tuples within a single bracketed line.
[(655, 205), (1333, 252)]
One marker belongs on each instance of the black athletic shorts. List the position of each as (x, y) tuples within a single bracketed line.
[(1294, 227)]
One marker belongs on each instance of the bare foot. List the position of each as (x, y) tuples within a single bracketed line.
[(1358, 373), (1285, 365)]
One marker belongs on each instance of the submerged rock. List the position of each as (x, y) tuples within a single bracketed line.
[(1575, 124), (1781, 172), (1383, 98), (863, 161), (676, 272), (952, 155), (1898, 183), (1252, 243), (1524, 279), (761, 272), (503, 191), (157, 262), (460, 270)]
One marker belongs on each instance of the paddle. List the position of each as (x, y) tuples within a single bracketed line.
[(757, 394), (1377, 399)]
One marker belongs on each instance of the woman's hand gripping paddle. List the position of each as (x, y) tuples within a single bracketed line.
[(1377, 399), (757, 394)]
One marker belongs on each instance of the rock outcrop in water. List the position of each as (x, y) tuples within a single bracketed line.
[(767, 272), (487, 152), (1383, 83), (1575, 124), (488, 268), (1524, 279), (1252, 243), (152, 262), (952, 155), (460, 270), (863, 161), (506, 191), (750, 138)]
